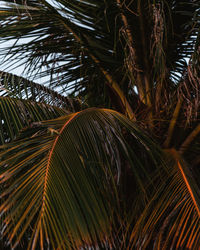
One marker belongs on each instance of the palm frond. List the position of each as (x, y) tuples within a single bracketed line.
[(82, 54), (172, 219), (147, 50), (21, 88), (62, 182), (189, 86), (16, 114)]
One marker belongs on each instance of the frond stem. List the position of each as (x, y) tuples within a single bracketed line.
[(189, 139), (110, 81), (173, 123)]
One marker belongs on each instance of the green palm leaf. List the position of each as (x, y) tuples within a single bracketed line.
[(22, 88), (172, 218), (16, 114), (63, 181), (93, 179), (76, 56), (92, 45)]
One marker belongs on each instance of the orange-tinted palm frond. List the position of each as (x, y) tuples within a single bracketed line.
[(61, 181), (172, 218)]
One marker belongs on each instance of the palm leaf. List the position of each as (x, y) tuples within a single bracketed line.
[(172, 219), (16, 114), (22, 88), (91, 56), (63, 181), (76, 57)]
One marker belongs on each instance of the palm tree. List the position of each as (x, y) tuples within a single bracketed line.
[(105, 155)]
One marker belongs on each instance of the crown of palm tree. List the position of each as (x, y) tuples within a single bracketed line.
[(96, 178)]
